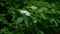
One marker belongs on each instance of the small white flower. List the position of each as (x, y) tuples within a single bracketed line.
[(25, 12), (28, 14), (34, 7)]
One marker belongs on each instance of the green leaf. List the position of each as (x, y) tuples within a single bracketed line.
[(41, 32), (1, 15), (35, 21), (26, 20), (3, 20), (42, 16), (18, 20), (53, 22)]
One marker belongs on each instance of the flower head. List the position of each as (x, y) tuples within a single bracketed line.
[(28, 14), (25, 12)]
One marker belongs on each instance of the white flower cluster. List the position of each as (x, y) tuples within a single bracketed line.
[(25, 12), (34, 7)]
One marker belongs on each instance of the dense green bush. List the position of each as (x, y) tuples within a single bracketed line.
[(40, 17)]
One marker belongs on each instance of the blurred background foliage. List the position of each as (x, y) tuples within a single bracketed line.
[(44, 20)]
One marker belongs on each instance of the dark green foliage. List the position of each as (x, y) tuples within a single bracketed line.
[(43, 20)]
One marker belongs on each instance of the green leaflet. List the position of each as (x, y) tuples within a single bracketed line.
[(4, 21), (26, 20), (41, 32), (2, 15), (53, 21), (19, 20)]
